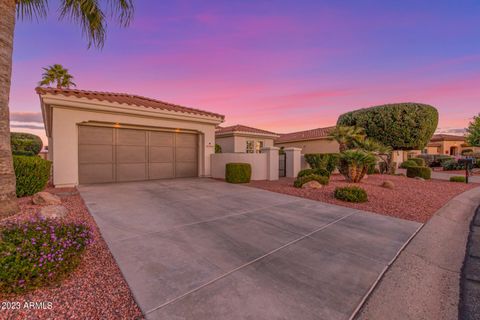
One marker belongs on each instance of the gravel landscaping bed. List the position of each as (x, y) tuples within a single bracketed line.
[(95, 290), (411, 199)]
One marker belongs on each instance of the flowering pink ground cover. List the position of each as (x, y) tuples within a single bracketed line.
[(95, 290), (411, 199)]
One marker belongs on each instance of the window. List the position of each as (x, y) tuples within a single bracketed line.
[(258, 146), (250, 146)]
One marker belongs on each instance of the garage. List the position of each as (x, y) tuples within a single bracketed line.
[(105, 137), (119, 155)]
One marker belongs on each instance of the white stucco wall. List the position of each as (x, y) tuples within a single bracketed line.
[(65, 138), (258, 161)]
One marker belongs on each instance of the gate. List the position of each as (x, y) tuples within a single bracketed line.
[(282, 165)]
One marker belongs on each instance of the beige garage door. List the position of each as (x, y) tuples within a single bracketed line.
[(116, 155)]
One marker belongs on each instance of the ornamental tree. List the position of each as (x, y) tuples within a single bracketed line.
[(473, 132)]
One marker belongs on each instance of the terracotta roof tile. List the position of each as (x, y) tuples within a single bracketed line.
[(126, 98), (242, 128), (446, 137), (305, 135)]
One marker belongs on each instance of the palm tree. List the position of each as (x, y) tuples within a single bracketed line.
[(92, 19), (353, 164), (57, 74), (379, 150), (348, 137)]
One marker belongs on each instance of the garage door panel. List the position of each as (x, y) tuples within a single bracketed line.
[(161, 154), (95, 135), (131, 154), (131, 172), (185, 154), (96, 173), (186, 140), (128, 137), (161, 170), (161, 139), (95, 153), (185, 169)]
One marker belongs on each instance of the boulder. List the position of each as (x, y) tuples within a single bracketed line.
[(53, 212), (388, 184), (45, 198), (312, 185), (419, 179)]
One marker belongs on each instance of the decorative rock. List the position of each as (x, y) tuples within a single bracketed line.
[(388, 184), (45, 198), (53, 212), (419, 178), (312, 185)]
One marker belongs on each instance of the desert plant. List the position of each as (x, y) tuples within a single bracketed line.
[(421, 172), (25, 144), (58, 75), (32, 174), (39, 253), (408, 163), (353, 164), (419, 161), (403, 126), (348, 137), (326, 161), (317, 171), (300, 181), (351, 194), (382, 152), (238, 172), (218, 148), (458, 179)]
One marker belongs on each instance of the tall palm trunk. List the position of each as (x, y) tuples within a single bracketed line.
[(8, 204)]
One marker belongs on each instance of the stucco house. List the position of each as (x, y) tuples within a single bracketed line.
[(447, 144), (310, 141), (243, 139), (97, 137)]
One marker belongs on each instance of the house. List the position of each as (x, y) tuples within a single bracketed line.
[(310, 141), (447, 144), (240, 138), (98, 137)]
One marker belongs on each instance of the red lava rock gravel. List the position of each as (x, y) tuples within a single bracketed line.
[(95, 290), (411, 199)]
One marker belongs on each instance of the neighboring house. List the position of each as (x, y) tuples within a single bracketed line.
[(447, 144), (310, 141), (97, 137), (243, 139)]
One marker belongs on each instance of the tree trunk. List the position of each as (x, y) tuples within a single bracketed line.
[(8, 203)]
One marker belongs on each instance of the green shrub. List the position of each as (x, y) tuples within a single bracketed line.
[(353, 164), (371, 169), (403, 126), (351, 194), (25, 144), (419, 161), (39, 253), (408, 163), (300, 181), (218, 148), (452, 164), (458, 179), (466, 152), (422, 172), (238, 172), (32, 174), (317, 171), (327, 161)]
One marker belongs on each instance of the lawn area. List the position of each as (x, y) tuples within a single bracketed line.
[(95, 290), (410, 199)]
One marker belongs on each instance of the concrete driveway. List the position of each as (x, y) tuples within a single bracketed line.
[(204, 249)]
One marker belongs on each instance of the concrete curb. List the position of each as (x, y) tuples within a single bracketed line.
[(424, 281)]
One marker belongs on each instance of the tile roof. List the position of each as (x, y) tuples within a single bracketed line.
[(446, 137), (242, 128), (305, 135), (126, 98)]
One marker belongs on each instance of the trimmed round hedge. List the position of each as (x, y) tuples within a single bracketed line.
[(408, 163), (25, 144), (422, 172), (32, 174), (238, 172), (458, 179), (403, 126), (419, 161), (351, 194), (300, 181)]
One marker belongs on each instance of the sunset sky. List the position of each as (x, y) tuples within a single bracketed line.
[(277, 65)]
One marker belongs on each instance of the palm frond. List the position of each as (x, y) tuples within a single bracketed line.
[(122, 10), (29, 9)]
